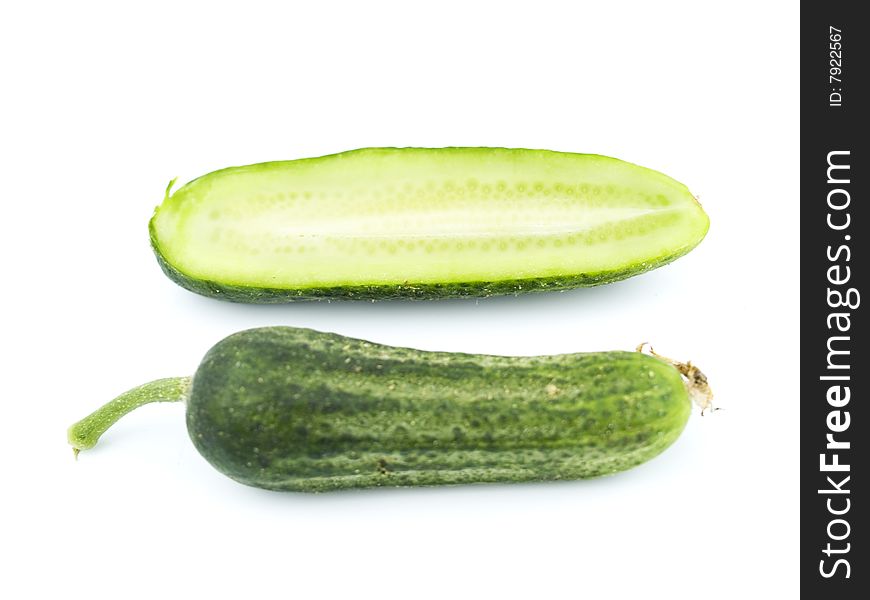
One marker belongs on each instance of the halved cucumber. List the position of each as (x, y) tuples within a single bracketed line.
[(422, 223)]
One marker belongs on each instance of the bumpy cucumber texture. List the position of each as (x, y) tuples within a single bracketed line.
[(421, 223), (294, 409)]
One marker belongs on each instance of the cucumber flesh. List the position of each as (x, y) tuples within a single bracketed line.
[(386, 222)]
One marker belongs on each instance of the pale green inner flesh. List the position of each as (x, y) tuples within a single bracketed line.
[(387, 216)]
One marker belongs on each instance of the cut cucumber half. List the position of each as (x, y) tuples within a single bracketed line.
[(421, 223)]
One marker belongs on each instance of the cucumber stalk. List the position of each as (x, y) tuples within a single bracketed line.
[(85, 433)]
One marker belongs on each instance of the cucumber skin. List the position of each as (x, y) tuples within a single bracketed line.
[(471, 289), (295, 409), (412, 290)]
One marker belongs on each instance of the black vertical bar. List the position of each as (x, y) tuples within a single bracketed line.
[(835, 366)]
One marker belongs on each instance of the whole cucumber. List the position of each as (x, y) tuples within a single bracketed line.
[(295, 409), (421, 223)]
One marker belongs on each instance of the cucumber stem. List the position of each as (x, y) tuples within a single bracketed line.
[(85, 433)]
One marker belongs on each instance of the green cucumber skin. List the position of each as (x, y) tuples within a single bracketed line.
[(295, 409), (370, 289)]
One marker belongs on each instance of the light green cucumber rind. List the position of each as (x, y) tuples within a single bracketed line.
[(371, 281), (295, 409)]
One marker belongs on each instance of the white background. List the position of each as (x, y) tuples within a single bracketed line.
[(104, 103)]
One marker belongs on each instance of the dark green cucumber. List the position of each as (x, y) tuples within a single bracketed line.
[(421, 223), (295, 409)]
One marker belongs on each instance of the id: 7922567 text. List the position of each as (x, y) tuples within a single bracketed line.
[(835, 64)]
